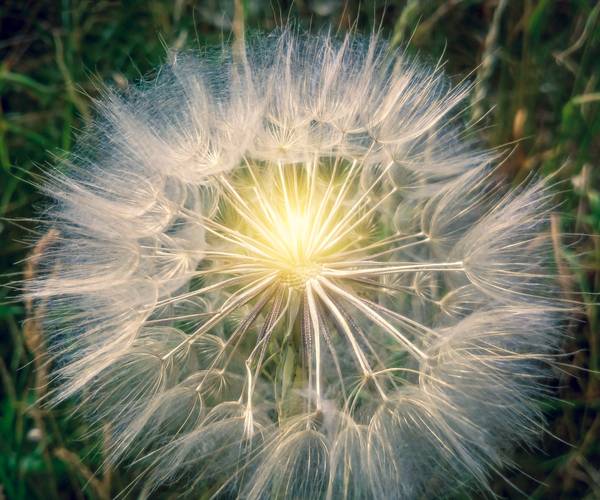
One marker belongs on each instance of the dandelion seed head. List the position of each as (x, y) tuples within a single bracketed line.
[(296, 274)]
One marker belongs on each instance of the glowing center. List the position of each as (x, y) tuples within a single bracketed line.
[(294, 231), (293, 219)]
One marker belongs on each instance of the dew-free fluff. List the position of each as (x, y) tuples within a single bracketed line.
[(292, 273)]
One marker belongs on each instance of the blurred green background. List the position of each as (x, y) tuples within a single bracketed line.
[(537, 67)]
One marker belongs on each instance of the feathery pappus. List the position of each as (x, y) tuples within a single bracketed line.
[(294, 273)]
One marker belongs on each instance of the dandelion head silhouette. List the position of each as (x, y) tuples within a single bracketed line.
[(293, 273)]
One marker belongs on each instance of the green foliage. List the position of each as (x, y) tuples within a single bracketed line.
[(538, 69)]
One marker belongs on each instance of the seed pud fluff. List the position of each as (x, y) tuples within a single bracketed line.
[(293, 273)]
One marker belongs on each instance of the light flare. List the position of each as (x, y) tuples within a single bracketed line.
[(306, 230)]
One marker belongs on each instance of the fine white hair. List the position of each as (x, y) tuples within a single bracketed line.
[(293, 273)]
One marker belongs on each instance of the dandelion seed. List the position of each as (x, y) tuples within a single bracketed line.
[(295, 277)]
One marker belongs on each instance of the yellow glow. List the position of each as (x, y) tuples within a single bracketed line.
[(293, 218)]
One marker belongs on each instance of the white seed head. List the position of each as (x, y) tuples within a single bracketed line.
[(294, 275)]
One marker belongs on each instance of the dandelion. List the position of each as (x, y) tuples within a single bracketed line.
[(294, 274)]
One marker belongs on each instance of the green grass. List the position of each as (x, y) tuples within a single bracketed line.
[(538, 64)]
